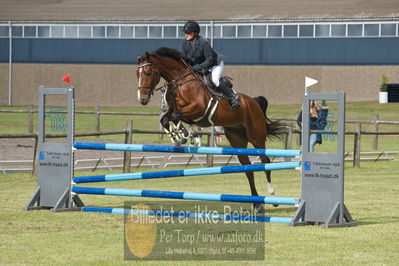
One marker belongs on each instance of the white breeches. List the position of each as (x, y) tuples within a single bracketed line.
[(217, 72)]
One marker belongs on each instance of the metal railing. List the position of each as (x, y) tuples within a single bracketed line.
[(127, 161), (209, 29)]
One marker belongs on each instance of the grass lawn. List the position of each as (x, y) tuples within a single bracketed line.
[(42, 237), (371, 195)]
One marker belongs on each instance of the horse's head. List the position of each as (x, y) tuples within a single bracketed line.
[(148, 77)]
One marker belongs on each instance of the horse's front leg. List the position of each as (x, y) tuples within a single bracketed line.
[(168, 128), (177, 132)]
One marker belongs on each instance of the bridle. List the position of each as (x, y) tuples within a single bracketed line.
[(173, 84), (154, 71)]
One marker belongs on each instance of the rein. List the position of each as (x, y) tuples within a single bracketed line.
[(176, 85), (173, 84)]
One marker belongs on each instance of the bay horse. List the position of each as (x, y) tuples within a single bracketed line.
[(190, 101)]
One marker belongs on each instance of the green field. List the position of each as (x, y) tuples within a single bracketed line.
[(371, 195), (40, 237), (17, 123)]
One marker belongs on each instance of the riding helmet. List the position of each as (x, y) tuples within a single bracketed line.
[(191, 26)]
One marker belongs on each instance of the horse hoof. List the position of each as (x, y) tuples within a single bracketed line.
[(275, 205), (259, 208)]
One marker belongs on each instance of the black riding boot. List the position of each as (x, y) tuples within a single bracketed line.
[(233, 97)]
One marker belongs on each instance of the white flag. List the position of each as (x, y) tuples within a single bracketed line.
[(309, 82)]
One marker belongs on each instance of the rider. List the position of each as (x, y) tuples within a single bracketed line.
[(203, 56)]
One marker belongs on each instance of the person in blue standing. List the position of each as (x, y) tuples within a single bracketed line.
[(315, 123), (204, 57)]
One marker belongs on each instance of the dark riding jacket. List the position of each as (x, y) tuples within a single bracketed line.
[(201, 53)]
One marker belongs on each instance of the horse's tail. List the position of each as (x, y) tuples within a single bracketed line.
[(263, 103), (277, 129)]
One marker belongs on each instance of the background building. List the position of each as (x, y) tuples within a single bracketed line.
[(269, 46)]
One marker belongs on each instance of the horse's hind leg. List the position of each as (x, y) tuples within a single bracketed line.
[(257, 136), (264, 160), (237, 139), (270, 188)]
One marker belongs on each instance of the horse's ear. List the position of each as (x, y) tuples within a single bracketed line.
[(138, 58)]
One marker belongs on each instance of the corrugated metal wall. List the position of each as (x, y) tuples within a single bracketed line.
[(297, 51)]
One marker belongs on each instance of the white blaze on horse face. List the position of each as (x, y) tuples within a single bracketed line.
[(138, 91)]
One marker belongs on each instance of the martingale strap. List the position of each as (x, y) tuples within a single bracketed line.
[(210, 110), (206, 119)]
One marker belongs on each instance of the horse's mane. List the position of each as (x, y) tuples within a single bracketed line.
[(170, 52)]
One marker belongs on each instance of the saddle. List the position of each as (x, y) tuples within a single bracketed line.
[(212, 88)]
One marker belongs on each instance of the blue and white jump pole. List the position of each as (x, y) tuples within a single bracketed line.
[(187, 172), (185, 195), (227, 217), (187, 149)]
